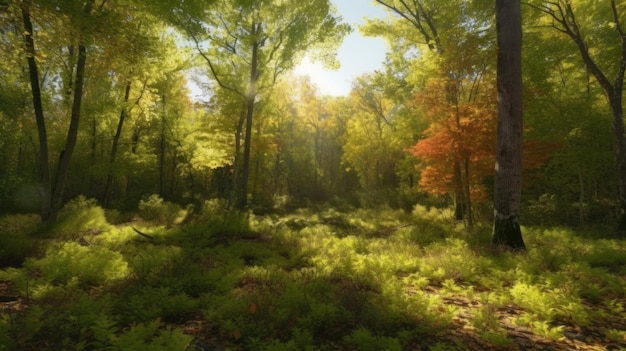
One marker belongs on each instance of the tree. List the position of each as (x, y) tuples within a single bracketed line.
[(508, 170), (605, 60), (251, 44), (372, 147), (33, 73), (461, 135), (449, 38), (52, 193)]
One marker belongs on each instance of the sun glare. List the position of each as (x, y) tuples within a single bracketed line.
[(321, 77)]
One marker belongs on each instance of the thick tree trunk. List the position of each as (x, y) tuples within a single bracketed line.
[(508, 170), (33, 73)]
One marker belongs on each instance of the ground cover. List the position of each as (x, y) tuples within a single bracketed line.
[(314, 279)]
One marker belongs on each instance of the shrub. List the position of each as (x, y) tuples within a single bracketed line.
[(211, 210), (117, 217), (362, 339), (78, 216), (151, 336), (154, 208), (145, 304), (88, 265)]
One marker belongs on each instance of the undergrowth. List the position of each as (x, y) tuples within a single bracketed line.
[(323, 280)]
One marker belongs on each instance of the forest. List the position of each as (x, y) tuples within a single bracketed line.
[(167, 182)]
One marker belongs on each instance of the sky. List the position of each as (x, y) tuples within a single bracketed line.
[(357, 54)]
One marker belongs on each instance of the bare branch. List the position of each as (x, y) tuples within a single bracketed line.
[(212, 67)]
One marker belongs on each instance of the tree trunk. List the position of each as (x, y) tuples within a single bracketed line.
[(174, 165), (620, 151), (33, 73), (581, 199), (72, 135), (468, 195), (235, 193), (162, 152), (459, 199), (251, 97), (116, 140), (508, 169)]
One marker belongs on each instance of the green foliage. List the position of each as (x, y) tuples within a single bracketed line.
[(116, 217), (549, 306), (78, 216), (544, 210), (72, 263), (154, 208), (213, 208), (488, 326), (151, 336), (614, 260), (323, 280), (16, 242), (362, 339), (6, 339), (145, 304)]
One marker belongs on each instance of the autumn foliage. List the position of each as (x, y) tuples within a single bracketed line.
[(461, 133), (464, 133)]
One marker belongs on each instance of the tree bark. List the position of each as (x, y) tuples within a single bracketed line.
[(250, 100), (234, 192), (33, 73), (468, 195), (114, 146), (162, 150), (620, 150), (72, 135), (508, 169), (459, 198)]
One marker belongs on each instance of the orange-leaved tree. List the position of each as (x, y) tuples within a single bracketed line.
[(459, 134)]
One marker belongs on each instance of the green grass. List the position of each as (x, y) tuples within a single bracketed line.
[(324, 280)]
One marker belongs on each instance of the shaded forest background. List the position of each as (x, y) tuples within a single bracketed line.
[(123, 128)]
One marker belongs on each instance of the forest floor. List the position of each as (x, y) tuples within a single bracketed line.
[(310, 280)]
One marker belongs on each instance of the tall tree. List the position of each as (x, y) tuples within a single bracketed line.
[(459, 135), (371, 143), (601, 41), (251, 44), (451, 34), (508, 170), (33, 73)]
